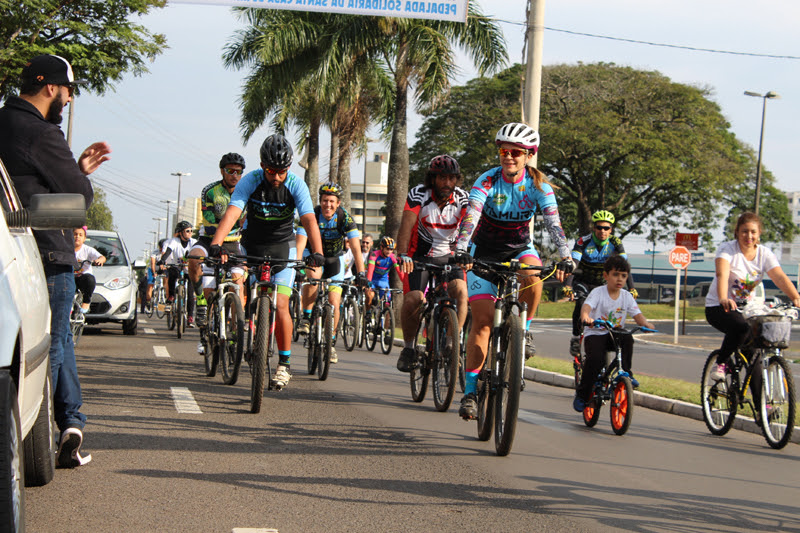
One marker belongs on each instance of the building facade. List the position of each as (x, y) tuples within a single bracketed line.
[(375, 188), (790, 251)]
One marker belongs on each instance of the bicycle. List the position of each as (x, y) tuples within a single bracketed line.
[(350, 315), (296, 308), (775, 412), (77, 320), (176, 313), (379, 321), (613, 383), (319, 340), (437, 344), (500, 381), (260, 320), (222, 335), (462, 357), (581, 291), (159, 299)]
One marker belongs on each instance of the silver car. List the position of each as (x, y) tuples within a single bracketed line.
[(114, 299)]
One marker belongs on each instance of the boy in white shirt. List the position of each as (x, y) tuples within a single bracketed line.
[(612, 303), (84, 277)]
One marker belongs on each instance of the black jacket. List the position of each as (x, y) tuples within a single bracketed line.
[(39, 160)]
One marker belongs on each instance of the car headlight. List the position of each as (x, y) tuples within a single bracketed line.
[(117, 283)]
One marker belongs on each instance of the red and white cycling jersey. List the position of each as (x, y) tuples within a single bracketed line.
[(434, 234)]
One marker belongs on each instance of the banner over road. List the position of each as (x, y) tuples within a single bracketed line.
[(452, 10)]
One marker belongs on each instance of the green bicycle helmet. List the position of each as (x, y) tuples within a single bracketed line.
[(603, 216)]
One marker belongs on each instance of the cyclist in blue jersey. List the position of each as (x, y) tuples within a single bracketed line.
[(381, 261), (271, 194), (336, 227), (590, 253), (501, 205)]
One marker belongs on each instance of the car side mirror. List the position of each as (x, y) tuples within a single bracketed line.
[(138, 264), (50, 211)]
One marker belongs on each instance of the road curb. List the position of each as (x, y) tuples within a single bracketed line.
[(651, 401)]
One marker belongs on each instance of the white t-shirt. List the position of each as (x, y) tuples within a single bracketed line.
[(605, 308), (87, 253), (744, 275), (178, 250), (349, 260)]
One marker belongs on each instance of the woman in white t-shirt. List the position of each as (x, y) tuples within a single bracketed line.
[(740, 266), (86, 256)]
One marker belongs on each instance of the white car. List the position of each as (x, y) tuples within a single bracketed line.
[(27, 426)]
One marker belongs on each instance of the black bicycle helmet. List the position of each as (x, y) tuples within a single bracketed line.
[(276, 152), (231, 159), (332, 188), (444, 164), (182, 225)]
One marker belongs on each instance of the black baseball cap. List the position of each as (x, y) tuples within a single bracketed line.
[(49, 69)]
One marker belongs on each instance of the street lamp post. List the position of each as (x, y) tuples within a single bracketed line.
[(158, 220), (770, 94), (166, 225), (180, 175)]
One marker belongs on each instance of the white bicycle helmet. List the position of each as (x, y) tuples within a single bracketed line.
[(520, 135)]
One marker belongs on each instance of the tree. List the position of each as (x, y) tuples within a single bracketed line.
[(96, 36), (99, 216), (633, 142)]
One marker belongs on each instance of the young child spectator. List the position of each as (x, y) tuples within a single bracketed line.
[(84, 278)]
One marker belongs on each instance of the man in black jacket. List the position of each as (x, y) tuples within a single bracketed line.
[(37, 156)]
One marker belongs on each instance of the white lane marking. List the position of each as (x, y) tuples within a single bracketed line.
[(539, 420), (184, 401), (161, 351), (150, 331)]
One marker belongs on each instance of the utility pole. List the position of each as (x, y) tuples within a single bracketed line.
[(178, 206), (166, 227), (534, 42)]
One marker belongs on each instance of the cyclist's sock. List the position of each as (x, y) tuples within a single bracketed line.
[(408, 344), (283, 357), (307, 314), (528, 324), (472, 381)]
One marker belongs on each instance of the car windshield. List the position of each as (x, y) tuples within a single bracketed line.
[(110, 247)]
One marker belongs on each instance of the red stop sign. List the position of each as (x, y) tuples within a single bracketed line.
[(680, 257)]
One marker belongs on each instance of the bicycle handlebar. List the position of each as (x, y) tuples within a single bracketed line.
[(600, 323)]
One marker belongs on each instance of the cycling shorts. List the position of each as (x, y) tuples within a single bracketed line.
[(202, 248), (333, 269), (418, 279), (482, 289)]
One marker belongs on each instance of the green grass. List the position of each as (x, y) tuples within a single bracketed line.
[(651, 311)]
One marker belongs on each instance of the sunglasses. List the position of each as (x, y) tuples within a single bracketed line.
[(274, 171), (603, 228), (514, 152), (233, 171), (70, 89)]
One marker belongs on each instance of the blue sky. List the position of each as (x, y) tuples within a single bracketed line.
[(184, 115)]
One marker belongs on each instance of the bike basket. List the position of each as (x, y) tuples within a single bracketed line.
[(772, 331)]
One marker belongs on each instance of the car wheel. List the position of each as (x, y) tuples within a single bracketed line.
[(129, 326), (40, 444), (12, 469)]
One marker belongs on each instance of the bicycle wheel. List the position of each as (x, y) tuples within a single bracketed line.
[(419, 367), (327, 343), (591, 413), (387, 330), (509, 386), (258, 367), (208, 338), (295, 312), (148, 307), (445, 359), (313, 341), (231, 347), (371, 329), (349, 320), (718, 398), (577, 366), (621, 407), (462, 358), (777, 403), (486, 400), (159, 302), (170, 317)]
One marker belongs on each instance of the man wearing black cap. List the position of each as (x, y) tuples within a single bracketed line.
[(37, 156)]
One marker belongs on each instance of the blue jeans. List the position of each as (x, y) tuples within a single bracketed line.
[(67, 397)]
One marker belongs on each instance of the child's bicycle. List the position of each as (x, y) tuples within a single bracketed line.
[(775, 409), (613, 383), (379, 321)]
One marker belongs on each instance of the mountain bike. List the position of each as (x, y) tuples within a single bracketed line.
[(500, 381), (462, 357), (223, 333), (379, 321), (176, 313), (613, 384), (437, 344), (581, 291), (261, 318), (319, 340), (350, 315), (296, 307), (774, 409), (159, 298)]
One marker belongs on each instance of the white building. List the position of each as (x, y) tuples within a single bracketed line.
[(376, 186), (790, 251)]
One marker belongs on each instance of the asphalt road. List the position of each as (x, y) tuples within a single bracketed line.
[(354, 453)]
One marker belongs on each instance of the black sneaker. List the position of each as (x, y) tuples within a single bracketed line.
[(405, 360), (469, 407), (200, 315), (69, 449), (530, 347)]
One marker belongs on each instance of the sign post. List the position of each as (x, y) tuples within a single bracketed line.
[(679, 258)]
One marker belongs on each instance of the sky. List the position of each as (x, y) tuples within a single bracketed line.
[(183, 115)]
